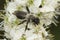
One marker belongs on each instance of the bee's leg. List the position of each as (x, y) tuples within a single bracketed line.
[(27, 9), (26, 28), (22, 22)]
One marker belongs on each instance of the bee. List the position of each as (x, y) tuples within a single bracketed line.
[(28, 17)]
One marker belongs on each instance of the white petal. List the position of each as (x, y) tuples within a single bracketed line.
[(32, 37), (47, 9), (37, 3), (11, 7), (16, 34), (21, 2), (51, 3), (34, 9)]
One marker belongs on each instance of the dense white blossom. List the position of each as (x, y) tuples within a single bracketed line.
[(45, 14)]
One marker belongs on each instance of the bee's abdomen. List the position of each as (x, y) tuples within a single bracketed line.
[(20, 14)]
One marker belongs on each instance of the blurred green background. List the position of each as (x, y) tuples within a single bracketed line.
[(53, 29)]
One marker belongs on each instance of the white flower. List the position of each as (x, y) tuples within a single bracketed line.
[(11, 7), (36, 32), (16, 34), (49, 6)]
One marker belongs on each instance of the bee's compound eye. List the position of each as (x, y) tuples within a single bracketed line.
[(20, 14)]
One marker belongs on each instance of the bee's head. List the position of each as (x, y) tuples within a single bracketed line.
[(34, 19)]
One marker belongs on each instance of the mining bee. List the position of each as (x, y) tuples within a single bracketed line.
[(27, 16)]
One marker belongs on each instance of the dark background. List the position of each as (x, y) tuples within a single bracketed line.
[(55, 30)]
